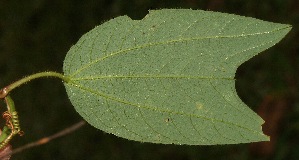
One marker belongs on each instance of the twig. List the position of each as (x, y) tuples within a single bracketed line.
[(47, 139)]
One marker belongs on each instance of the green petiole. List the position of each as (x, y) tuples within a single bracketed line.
[(12, 126), (5, 91)]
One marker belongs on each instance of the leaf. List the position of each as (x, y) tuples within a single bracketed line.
[(169, 78)]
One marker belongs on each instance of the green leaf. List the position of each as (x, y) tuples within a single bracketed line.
[(169, 78)]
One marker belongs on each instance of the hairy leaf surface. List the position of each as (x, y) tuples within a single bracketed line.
[(169, 78)]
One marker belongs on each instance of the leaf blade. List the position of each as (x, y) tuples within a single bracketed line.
[(168, 78)]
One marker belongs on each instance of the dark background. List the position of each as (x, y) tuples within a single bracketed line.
[(35, 36)]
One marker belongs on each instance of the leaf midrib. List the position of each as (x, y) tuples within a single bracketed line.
[(150, 77)]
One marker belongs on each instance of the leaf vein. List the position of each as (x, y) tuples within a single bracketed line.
[(153, 108), (125, 51)]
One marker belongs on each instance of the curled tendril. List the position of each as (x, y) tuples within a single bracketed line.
[(12, 126)]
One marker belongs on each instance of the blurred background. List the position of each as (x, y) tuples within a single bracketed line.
[(35, 36)]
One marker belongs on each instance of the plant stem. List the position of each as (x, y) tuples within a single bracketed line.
[(4, 92), (45, 140)]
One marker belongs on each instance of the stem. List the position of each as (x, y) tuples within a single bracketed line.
[(44, 140), (10, 104), (4, 92)]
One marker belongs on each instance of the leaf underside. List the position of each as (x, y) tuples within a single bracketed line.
[(169, 78)]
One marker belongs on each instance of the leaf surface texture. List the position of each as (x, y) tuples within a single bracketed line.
[(169, 78)]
